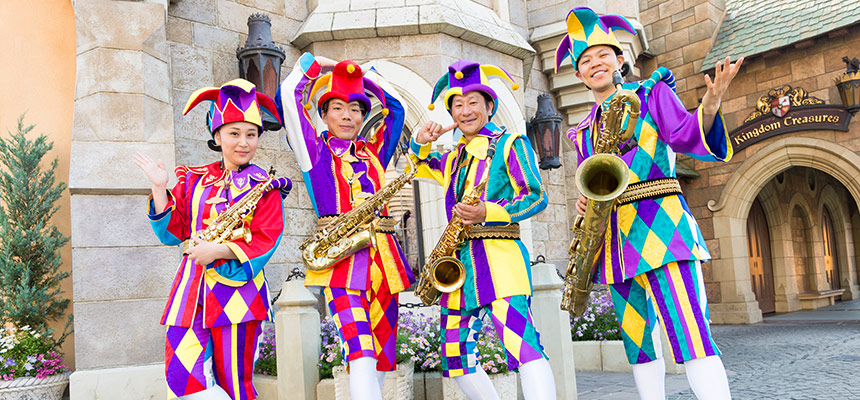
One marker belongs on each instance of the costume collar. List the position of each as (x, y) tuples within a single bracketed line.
[(479, 145), (340, 147), (213, 173)]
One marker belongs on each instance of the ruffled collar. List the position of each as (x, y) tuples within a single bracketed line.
[(479, 145), (240, 179), (341, 147)]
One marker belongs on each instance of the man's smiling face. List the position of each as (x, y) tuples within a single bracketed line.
[(596, 65)]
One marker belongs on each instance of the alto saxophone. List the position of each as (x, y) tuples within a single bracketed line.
[(229, 225), (601, 178), (444, 273), (352, 230)]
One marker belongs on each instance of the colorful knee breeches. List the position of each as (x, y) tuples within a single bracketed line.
[(674, 293), (514, 325), (366, 321), (197, 358)]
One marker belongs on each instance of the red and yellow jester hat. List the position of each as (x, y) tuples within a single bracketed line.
[(585, 29), (465, 76), (235, 101), (349, 84)]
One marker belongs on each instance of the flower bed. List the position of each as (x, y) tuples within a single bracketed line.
[(598, 322)]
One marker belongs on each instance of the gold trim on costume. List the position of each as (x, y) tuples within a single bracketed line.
[(478, 232), (650, 189)]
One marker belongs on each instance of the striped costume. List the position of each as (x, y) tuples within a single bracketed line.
[(339, 174), (658, 237), (216, 310), (498, 277)]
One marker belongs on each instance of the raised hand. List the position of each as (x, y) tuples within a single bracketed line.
[(724, 72), (155, 171), (431, 131)]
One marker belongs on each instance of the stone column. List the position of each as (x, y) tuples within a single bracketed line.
[(121, 272), (297, 339), (554, 327)]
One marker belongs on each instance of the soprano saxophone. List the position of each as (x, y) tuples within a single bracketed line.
[(444, 273), (601, 178), (352, 230), (230, 225)]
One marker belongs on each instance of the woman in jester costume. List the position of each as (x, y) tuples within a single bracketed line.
[(498, 280), (653, 249), (219, 296), (341, 169)]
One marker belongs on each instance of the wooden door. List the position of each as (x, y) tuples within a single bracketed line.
[(761, 268), (831, 265)]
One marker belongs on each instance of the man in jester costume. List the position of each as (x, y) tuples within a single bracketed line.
[(498, 278), (219, 296), (653, 249), (341, 169)]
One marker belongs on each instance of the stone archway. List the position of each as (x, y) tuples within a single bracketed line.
[(731, 209)]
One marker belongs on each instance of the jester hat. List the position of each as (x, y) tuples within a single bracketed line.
[(235, 101), (586, 29), (348, 83), (465, 76)]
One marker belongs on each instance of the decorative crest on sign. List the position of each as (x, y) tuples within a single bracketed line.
[(779, 100)]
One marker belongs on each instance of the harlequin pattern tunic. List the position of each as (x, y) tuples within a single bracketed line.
[(231, 291), (495, 268), (648, 234)]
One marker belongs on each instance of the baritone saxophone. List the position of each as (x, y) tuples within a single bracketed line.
[(601, 178)]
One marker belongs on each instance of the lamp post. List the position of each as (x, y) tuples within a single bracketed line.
[(848, 85), (260, 61), (544, 131)]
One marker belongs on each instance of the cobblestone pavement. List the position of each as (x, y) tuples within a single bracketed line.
[(788, 359)]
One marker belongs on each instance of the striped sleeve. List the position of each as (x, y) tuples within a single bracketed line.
[(171, 224), (290, 100), (529, 197), (430, 164)]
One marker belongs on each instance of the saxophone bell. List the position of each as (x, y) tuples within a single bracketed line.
[(448, 274)]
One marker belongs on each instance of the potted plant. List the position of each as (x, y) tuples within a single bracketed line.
[(30, 276)]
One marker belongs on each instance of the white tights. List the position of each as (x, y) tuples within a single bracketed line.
[(536, 377), (213, 393), (706, 375), (363, 380)]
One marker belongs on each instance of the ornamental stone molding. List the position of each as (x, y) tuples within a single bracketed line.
[(467, 20)]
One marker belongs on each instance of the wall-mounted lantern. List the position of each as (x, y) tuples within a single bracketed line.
[(260, 61), (849, 85), (544, 131)]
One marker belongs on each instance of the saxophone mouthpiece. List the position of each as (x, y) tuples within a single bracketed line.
[(617, 79), (272, 171)]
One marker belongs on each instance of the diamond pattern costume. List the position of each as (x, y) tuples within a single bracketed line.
[(338, 175), (498, 275), (215, 310)]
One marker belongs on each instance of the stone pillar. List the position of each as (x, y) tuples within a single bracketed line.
[(554, 327), (297, 339), (121, 272)]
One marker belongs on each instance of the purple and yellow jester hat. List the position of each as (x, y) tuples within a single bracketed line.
[(465, 76), (586, 29), (348, 83), (235, 101)]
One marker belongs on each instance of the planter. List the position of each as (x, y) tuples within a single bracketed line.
[(29, 388), (267, 387), (398, 383), (505, 384), (609, 356)]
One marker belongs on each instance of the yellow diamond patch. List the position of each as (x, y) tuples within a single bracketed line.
[(189, 350), (672, 206), (653, 250), (236, 307), (633, 325)]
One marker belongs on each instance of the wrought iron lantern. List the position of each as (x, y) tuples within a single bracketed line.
[(260, 61), (544, 131), (849, 85)]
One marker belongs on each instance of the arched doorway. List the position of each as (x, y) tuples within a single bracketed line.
[(831, 263), (761, 267), (804, 270)]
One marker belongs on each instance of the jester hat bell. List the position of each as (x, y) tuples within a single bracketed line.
[(585, 29), (465, 76), (235, 101), (348, 83)]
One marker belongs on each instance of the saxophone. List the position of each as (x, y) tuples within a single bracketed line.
[(601, 178), (444, 273), (352, 230), (230, 225)]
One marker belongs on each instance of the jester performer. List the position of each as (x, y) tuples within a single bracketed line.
[(219, 297), (498, 280), (653, 249), (341, 169)]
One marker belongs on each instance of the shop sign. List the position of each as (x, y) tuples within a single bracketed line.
[(786, 110)]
